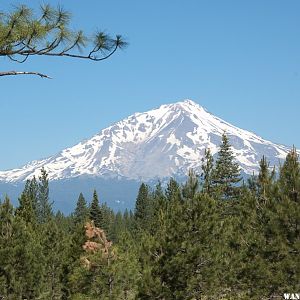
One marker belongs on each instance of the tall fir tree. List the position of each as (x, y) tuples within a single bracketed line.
[(207, 172), (95, 211), (31, 190), (265, 179), (290, 175), (21, 261), (44, 208), (191, 187), (142, 212), (26, 209), (108, 217), (173, 191), (81, 213), (227, 171)]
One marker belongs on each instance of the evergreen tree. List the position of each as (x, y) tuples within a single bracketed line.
[(108, 217), (44, 208), (290, 175), (31, 191), (126, 268), (128, 219), (118, 227), (26, 209), (54, 259), (265, 179), (81, 211), (95, 211), (173, 192), (142, 213), (21, 267), (207, 172), (227, 171), (179, 264), (160, 204), (159, 192), (6, 233), (191, 186), (106, 272)]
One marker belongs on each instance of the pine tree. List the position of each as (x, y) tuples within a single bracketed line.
[(95, 276), (290, 175), (265, 179), (95, 211), (108, 217), (54, 259), (6, 217), (142, 213), (191, 186), (21, 264), (128, 219), (31, 190), (26, 209), (159, 192), (81, 211), (118, 227), (126, 268), (44, 208), (207, 172), (173, 192), (227, 171), (179, 262), (282, 227), (160, 204), (6, 233)]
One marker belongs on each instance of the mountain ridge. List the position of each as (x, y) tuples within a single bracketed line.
[(159, 143)]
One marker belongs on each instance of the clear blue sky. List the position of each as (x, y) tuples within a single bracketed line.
[(239, 59)]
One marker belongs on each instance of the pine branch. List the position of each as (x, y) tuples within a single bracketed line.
[(10, 73), (24, 34), (44, 52)]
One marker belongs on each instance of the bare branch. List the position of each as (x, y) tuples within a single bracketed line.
[(11, 73)]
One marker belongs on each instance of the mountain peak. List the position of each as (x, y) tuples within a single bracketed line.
[(186, 104), (159, 143)]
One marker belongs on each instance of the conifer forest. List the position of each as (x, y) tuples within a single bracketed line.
[(217, 236)]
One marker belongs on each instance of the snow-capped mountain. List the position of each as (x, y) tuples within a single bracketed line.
[(159, 143)]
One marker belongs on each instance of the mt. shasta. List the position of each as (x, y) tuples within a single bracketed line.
[(160, 143)]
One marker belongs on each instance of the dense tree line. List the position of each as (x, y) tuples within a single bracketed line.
[(214, 237)]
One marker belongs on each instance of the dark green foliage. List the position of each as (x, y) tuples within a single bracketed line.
[(44, 206), (118, 227), (95, 211), (54, 257), (190, 188), (289, 181), (181, 242), (207, 172), (26, 209), (263, 184), (20, 257), (173, 192), (143, 209), (81, 213), (226, 174), (108, 218)]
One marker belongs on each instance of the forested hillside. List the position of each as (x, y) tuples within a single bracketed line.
[(214, 237)]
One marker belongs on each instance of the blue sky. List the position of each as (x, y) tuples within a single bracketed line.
[(238, 59)]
